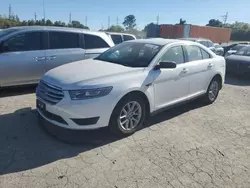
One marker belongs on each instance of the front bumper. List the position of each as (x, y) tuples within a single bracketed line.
[(80, 114)]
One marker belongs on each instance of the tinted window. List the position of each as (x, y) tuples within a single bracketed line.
[(205, 55), (194, 53), (116, 38), (238, 47), (245, 51), (131, 54), (5, 32), (174, 54), (25, 42), (128, 37), (60, 40), (93, 41)]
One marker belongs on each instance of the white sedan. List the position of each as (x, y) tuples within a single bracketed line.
[(127, 83)]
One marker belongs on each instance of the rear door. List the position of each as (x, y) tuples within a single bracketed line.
[(200, 67), (22, 60), (94, 45), (63, 47)]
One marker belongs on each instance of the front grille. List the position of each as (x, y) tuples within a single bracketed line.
[(49, 93)]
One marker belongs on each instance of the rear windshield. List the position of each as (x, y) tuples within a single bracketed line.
[(5, 32), (238, 47)]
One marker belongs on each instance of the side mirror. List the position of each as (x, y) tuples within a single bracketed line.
[(165, 65)]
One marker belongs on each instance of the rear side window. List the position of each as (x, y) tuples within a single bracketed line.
[(117, 39), (210, 44), (193, 53), (128, 37), (24, 42), (93, 42), (62, 40), (174, 54), (205, 55)]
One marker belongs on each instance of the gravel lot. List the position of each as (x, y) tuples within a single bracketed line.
[(188, 146)]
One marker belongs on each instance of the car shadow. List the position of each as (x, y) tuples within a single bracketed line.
[(237, 80), (25, 145), (18, 90)]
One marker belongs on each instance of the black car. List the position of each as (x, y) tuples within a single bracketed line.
[(239, 63)]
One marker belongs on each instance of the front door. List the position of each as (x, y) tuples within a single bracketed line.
[(171, 85), (22, 61)]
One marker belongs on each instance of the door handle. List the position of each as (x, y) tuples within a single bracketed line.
[(184, 70), (210, 65), (39, 58), (50, 57)]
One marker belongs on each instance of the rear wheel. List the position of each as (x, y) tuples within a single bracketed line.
[(128, 116), (212, 91)]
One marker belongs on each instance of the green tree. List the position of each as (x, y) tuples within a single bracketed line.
[(31, 22), (214, 23), (49, 22), (116, 28), (129, 22)]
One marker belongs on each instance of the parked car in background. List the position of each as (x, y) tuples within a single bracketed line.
[(219, 50), (234, 49), (206, 42), (239, 62), (120, 37), (26, 53), (126, 83)]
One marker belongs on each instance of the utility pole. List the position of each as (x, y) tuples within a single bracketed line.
[(225, 17), (70, 18), (108, 22), (35, 16), (86, 21), (117, 21), (9, 11), (43, 11), (157, 20)]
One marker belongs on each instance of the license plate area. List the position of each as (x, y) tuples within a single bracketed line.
[(40, 105)]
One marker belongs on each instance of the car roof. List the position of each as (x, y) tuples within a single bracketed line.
[(194, 39), (118, 33), (158, 41), (55, 28)]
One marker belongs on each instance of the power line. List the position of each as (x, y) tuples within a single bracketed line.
[(35, 16), (9, 11), (86, 20), (157, 20), (117, 21), (70, 17), (43, 11)]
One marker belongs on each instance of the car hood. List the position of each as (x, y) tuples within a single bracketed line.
[(84, 73)]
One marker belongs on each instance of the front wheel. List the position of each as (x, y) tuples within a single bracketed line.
[(128, 116), (212, 91)]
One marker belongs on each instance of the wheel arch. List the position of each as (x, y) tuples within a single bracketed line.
[(216, 76)]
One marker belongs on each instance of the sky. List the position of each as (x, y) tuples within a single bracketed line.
[(197, 12)]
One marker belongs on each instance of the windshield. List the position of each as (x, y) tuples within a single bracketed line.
[(131, 54), (238, 47), (244, 51), (6, 32)]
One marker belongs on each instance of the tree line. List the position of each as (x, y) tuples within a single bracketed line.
[(240, 30)]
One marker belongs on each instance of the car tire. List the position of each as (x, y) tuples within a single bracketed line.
[(212, 91), (121, 114)]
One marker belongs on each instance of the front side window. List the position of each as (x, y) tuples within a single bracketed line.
[(117, 39), (210, 44), (131, 54), (128, 37), (94, 42), (62, 40), (193, 53), (174, 54), (24, 42), (204, 43)]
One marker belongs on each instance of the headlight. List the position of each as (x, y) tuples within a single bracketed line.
[(89, 93)]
